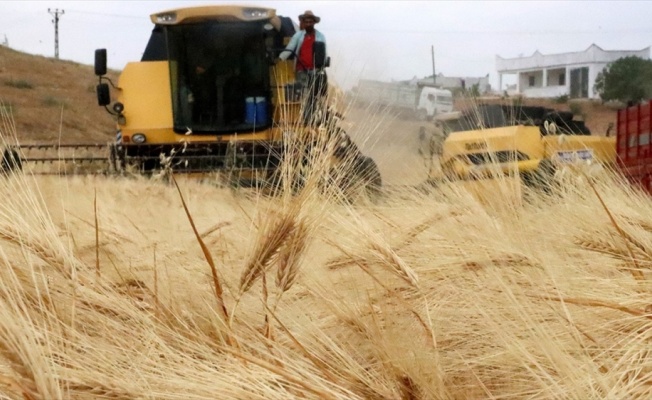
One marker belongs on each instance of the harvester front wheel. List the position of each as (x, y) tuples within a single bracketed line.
[(368, 173)]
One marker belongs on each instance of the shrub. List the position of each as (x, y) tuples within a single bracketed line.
[(458, 92), (475, 90), (563, 99), (576, 108), (516, 101), (50, 101), (6, 108), (19, 84)]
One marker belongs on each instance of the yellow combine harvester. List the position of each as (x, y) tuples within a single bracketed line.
[(492, 141), (211, 94)]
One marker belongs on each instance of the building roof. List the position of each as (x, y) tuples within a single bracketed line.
[(593, 54)]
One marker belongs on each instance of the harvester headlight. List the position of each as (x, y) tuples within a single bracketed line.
[(166, 18), (344, 140), (118, 107), (138, 138), (252, 13)]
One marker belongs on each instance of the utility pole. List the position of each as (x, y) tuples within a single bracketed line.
[(56, 13), (434, 77)]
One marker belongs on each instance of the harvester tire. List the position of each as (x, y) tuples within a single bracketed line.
[(371, 174), (366, 175), (361, 177)]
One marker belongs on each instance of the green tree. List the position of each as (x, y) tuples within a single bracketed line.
[(626, 79), (475, 90)]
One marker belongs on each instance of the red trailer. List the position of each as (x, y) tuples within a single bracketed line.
[(633, 144)]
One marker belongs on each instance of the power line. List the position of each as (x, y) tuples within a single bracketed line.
[(55, 21)]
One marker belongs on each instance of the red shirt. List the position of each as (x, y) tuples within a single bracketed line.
[(306, 60)]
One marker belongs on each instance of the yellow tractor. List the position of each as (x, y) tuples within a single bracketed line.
[(493, 140), (211, 94)]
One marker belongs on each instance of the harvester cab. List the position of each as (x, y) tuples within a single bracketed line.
[(210, 93)]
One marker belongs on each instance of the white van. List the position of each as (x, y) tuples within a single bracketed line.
[(433, 101)]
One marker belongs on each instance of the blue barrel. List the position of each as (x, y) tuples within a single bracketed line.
[(250, 110), (261, 111)]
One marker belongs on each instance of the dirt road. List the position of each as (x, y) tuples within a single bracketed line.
[(391, 141)]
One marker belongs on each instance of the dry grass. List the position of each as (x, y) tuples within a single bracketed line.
[(509, 303), (53, 100)]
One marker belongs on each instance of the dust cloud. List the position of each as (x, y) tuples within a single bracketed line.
[(391, 140)]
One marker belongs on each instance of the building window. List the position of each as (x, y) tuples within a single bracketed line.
[(562, 79), (531, 80)]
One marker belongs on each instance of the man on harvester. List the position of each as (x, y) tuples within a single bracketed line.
[(312, 79)]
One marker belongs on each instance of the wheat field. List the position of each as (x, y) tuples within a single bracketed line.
[(136, 288)]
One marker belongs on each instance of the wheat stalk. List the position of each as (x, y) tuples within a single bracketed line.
[(597, 303), (97, 237), (272, 237), (41, 250), (390, 259), (636, 272), (217, 285), (290, 256)]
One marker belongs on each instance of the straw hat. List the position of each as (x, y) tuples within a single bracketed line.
[(307, 14)]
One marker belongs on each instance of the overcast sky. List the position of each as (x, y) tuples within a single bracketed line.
[(385, 40)]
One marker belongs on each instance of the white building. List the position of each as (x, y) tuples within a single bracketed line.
[(554, 75)]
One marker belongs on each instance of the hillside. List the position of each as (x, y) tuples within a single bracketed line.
[(51, 99)]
